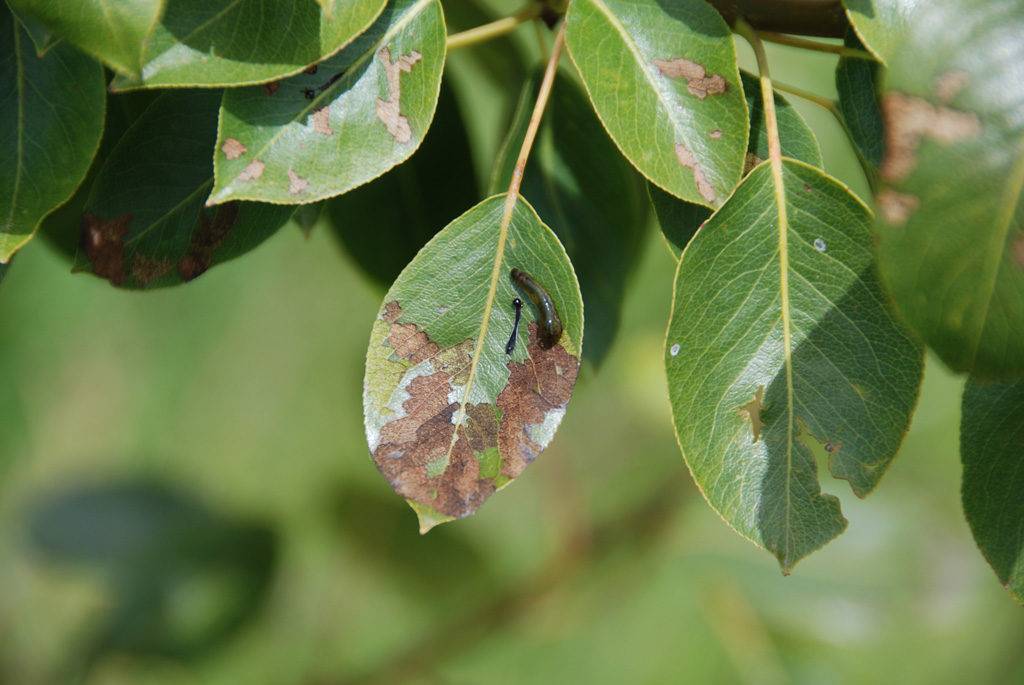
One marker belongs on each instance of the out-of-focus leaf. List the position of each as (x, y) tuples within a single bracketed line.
[(385, 223), (663, 79), (183, 578), (307, 216), (41, 36), (52, 119), (992, 450), (880, 24), (951, 217), (213, 44), (680, 220), (114, 32), (61, 228), (857, 83), (450, 416), (779, 338), (583, 189), (144, 224), (314, 136)]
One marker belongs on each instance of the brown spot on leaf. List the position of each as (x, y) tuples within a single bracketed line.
[(833, 447), (687, 159), (542, 383), (716, 134), (271, 88), (908, 119), (232, 148), (698, 82), (388, 111), (392, 310), (1018, 250), (409, 342), (145, 269), (753, 410), (949, 85), (296, 184), (252, 171), (322, 120), (896, 208), (311, 69), (206, 239), (749, 162), (103, 242)]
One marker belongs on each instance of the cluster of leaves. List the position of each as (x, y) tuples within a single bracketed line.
[(798, 319)]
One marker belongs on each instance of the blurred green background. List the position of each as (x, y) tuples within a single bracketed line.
[(186, 496)]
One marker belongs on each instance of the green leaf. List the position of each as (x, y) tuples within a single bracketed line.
[(450, 417), (680, 220), (315, 136), (663, 79), (589, 195), (242, 42), (779, 339), (384, 223), (52, 119), (880, 24), (144, 224), (113, 32), (992, 449), (857, 85), (41, 36), (951, 220)]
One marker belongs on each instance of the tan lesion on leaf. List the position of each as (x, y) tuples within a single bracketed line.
[(753, 410), (949, 84), (233, 148), (321, 120), (103, 243), (388, 111), (252, 171), (296, 184), (206, 238), (896, 208), (699, 83), (689, 160), (749, 162), (910, 119)]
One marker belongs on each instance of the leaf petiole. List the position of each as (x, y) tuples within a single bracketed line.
[(494, 29), (806, 44)]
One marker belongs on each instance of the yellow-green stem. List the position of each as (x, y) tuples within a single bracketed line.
[(817, 46), (494, 29)]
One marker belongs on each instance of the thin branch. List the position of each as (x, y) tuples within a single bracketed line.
[(819, 100), (817, 46), (494, 29)]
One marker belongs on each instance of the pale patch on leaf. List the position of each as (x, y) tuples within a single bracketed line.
[(753, 411), (388, 111), (687, 159), (322, 120), (698, 82), (895, 207), (232, 148), (908, 119), (296, 184), (252, 171)]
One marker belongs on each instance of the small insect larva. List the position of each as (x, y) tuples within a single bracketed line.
[(511, 344), (549, 326)]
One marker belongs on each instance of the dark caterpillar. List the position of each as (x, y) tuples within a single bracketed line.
[(511, 344), (549, 326)]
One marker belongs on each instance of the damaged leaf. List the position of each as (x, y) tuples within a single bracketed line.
[(679, 220), (881, 24), (950, 211), (137, 238), (664, 82), (779, 340), (450, 417), (52, 120), (992, 449), (114, 32), (384, 223), (211, 44), (321, 134), (589, 195)]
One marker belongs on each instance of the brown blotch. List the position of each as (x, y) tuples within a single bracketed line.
[(271, 88), (322, 120), (716, 134), (388, 110), (145, 269), (896, 208), (698, 81), (949, 85), (753, 410), (409, 342), (296, 184), (541, 383), (749, 162), (1018, 250), (908, 119), (252, 171), (232, 148), (687, 159), (103, 242), (392, 310), (311, 69), (206, 239)]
